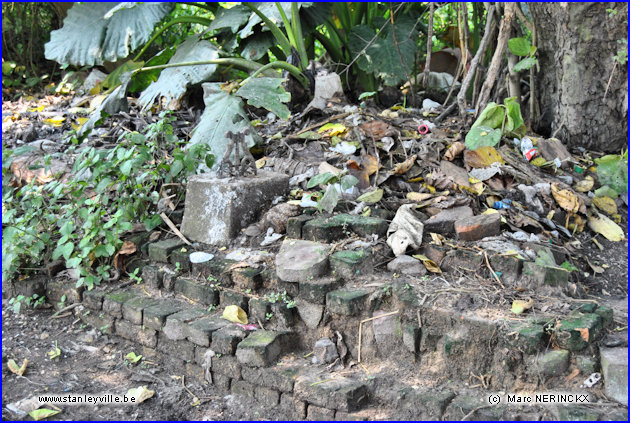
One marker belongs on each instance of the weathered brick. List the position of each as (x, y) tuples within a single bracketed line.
[(154, 316), (221, 381), (340, 393), (194, 371), (552, 363), (152, 276), (137, 333), (281, 378), (240, 387), (314, 412), (133, 309), (351, 264), (615, 370), (226, 365), (462, 260), (168, 279), (570, 331), (161, 250), (323, 229), (93, 299), (56, 289), (196, 291), (295, 408), (509, 267), (200, 331), (182, 350), (260, 348), (266, 396), (216, 268), (444, 222), (182, 256), (112, 302), (258, 309), (294, 225), (176, 327), (225, 340), (235, 298), (348, 302), (527, 338), (315, 290), (247, 278), (99, 320), (300, 260), (478, 227)]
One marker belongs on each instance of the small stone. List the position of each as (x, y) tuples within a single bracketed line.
[(324, 351), (161, 250), (614, 363), (299, 260), (345, 301), (478, 227), (444, 222), (407, 265), (311, 314)]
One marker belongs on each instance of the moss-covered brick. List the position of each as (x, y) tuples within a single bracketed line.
[(605, 312), (586, 364), (181, 255), (315, 290), (350, 264), (588, 307), (132, 310), (93, 299), (161, 250), (136, 333), (545, 275), (112, 302), (200, 331), (259, 349), (528, 338), (324, 229), (201, 292), (509, 267), (346, 301), (575, 333), (294, 225), (362, 225), (551, 363), (247, 278), (154, 316)]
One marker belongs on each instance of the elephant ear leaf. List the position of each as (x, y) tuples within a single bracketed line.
[(172, 82), (268, 93), (96, 32), (224, 112)]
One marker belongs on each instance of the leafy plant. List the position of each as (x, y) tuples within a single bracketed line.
[(275, 297), (612, 170), (335, 185), (522, 47), (495, 121), (134, 276), (84, 218), (268, 316)]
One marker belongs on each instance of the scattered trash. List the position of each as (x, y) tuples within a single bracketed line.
[(405, 230), (270, 237), (591, 380), (344, 148), (429, 105), (141, 394), (248, 327), (520, 306)]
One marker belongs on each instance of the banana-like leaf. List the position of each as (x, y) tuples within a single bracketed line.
[(231, 18), (172, 82), (381, 57), (96, 32), (224, 112), (258, 45), (268, 93)]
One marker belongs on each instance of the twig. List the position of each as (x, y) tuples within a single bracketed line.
[(70, 307), (427, 64), (445, 113), (308, 128), (474, 411), (492, 270), (174, 228), (361, 328)]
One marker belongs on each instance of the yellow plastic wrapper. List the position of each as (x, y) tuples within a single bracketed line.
[(235, 314)]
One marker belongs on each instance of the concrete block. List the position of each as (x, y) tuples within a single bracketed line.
[(614, 363), (299, 260), (217, 209), (346, 301), (161, 250)]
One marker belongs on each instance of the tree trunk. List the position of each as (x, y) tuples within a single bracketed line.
[(577, 43)]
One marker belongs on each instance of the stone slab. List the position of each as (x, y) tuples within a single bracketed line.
[(217, 209), (300, 260)]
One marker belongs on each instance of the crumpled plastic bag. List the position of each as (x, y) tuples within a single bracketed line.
[(405, 230), (235, 314)]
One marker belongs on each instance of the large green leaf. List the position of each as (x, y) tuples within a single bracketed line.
[(231, 18), (526, 63), (381, 57), (519, 46), (268, 93), (515, 124), (482, 136), (612, 170), (491, 117), (257, 46), (224, 112), (270, 10), (172, 82), (96, 32)]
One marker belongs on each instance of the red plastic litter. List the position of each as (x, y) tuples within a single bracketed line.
[(530, 154), (423, 129)]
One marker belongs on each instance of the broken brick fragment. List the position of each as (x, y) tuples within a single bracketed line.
[(478, 227)]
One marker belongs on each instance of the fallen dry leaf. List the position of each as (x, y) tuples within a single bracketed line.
[(519, 306), (404, 167), (603, 225), (418, 196), (360, 173), (127, 248), (454, 151), (13, 367), (584, 185), (566, 198), (370, 164), (482, 157), (573, 374), (378, 129), (428, 263), (605, 204)]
